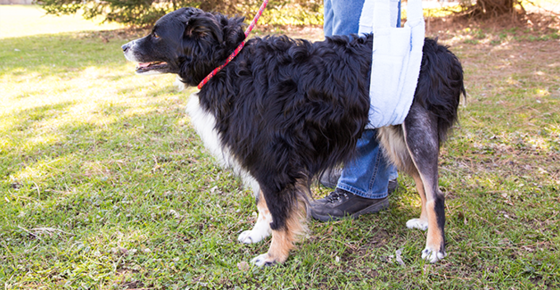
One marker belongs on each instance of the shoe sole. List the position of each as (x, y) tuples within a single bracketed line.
[(376, 207)]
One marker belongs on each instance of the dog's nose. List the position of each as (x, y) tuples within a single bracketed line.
[(125, 47)]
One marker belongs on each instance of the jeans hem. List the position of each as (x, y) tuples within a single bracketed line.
[(361, 193)]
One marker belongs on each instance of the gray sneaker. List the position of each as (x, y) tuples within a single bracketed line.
[(341, 203)]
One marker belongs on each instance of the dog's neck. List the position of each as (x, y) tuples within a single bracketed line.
[(210, 54)]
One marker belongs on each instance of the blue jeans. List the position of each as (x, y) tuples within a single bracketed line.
[(343, 17), (368, 174)]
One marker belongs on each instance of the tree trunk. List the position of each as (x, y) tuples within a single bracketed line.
[(495, 7)]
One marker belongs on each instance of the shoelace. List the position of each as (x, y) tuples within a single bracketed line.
[(335, 196)]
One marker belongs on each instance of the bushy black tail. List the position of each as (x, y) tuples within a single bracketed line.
[(440, 85)]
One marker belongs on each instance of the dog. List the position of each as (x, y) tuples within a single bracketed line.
[(285, 110)]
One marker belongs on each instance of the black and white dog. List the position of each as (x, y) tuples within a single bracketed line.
[(284, 110)]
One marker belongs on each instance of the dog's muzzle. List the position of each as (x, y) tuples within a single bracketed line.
[(128, 49), (127, 46)]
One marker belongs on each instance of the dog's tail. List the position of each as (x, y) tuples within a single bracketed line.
[(440, 85)]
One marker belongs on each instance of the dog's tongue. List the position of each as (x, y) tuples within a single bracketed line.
[(143, 64)]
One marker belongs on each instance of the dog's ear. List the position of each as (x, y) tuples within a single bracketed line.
[(233, 29), (202, 25)]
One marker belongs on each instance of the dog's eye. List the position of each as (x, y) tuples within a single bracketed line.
[(155, 35)]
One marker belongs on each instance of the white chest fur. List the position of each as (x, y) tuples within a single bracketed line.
[(204, 123)]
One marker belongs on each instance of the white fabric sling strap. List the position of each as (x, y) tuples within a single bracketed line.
[(396, 59)]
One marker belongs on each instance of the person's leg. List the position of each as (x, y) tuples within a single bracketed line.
[(343, 19), (368, 174), (362, 187), (345, 16), (328, 18)]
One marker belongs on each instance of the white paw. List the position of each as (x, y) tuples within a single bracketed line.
[(417, 224), (253, 236), (432, 255), (261, 260)]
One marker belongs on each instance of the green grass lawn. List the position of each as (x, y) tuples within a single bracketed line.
[(105, 185)]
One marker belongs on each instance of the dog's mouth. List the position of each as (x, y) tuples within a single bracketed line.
[(144, 67)]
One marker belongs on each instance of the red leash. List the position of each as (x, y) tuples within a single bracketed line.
[(237, 50)]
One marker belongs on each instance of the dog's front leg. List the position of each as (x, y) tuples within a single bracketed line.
[(282, 243), (261, 230), (285, 233)]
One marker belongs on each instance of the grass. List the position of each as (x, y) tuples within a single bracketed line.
[(105, 185)]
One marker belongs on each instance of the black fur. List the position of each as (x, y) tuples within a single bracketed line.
[(288, 109), (285, 111), (440, 85)]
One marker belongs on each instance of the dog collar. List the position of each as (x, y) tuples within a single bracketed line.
[(237, 50)]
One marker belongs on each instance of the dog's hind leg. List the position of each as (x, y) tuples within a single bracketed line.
[(421, 137), (422, 222), (261, 230), (287, 232), (395, 148)]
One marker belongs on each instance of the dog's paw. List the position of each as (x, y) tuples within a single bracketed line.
[(263, 260), (252, 236), (432, 255), (417, 224)]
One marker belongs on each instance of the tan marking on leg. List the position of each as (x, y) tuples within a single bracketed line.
[(284, 240), (420, 189), (434, 240), (422, 222), (261, 229), (435, 237), (264, 213), (395, 149)]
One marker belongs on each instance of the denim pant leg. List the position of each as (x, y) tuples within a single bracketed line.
[(368, 174), (328, 16), (342, 17)]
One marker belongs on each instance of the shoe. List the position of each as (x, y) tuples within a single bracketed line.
[(392, 186), (330, 177), (341, 203)]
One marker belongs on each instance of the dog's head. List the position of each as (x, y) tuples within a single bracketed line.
[(188, 42)]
